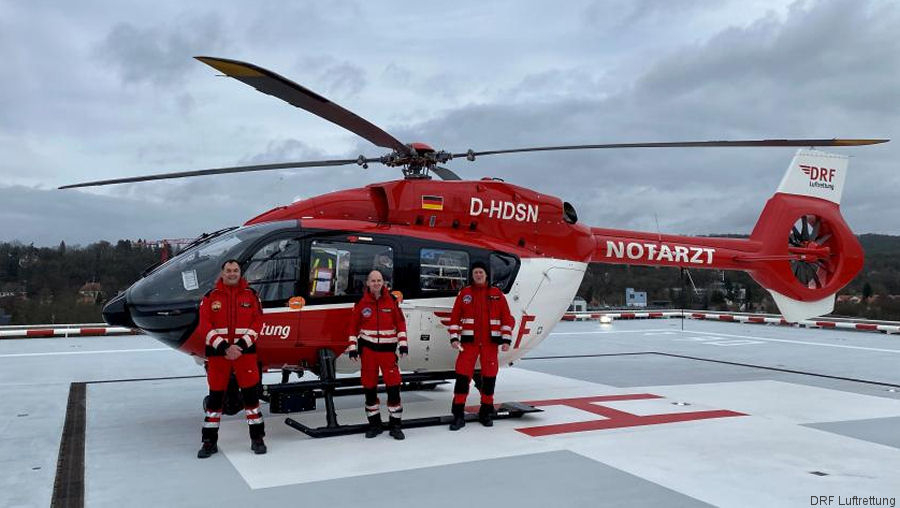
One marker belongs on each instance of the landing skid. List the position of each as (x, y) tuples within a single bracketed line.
[(505, 411)]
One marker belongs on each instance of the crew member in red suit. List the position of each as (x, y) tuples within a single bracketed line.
[(230, 320), (377, 334), (479, 324)]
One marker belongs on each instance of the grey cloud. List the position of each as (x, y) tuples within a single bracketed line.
[(620, 14), (397, 74), (822, 55), (768, 77), (46, 217), (727, 88), (158, 55), (559, 84), (338, 79), (304, 25), (284, 150)]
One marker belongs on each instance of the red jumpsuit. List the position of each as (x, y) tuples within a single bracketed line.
[(481, 322), (231, 315), (377, 329)]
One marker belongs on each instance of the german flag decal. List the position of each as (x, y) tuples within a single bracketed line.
[(432, 202)]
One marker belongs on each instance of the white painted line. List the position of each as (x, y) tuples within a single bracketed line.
[(751, 337), (109, 351), (608, 331), (736, 342), (896, 351)]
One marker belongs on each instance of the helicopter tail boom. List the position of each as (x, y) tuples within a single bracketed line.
[(801, 249)]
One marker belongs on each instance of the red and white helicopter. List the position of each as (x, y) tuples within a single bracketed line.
[(308, 260)]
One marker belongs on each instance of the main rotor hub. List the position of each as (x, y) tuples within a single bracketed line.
[(417, 161)]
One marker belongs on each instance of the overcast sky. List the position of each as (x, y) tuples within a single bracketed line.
[(95, 90)]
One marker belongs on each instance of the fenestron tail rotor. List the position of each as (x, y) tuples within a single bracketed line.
[(416, 160), (810, 238)]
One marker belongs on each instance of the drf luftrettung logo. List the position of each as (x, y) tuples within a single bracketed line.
[(819, 177)]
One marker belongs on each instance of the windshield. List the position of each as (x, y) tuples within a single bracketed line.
[(189, 275)]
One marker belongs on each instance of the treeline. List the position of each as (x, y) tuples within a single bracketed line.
[(40, 285)]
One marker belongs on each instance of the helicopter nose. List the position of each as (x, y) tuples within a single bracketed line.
[(115, 312)]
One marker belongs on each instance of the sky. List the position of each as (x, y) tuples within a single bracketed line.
[(94, 90)]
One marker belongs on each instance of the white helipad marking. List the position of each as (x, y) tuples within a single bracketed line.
[(663, 331), (802, 343), (101, 352), (763, 459), (695, 339), (751, 337), (734, 342)]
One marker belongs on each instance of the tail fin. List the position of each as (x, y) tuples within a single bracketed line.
[(808, 253)]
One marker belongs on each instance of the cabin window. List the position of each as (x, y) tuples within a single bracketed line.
[(272, 271), (443, 270), (341, 268), (503, 270)]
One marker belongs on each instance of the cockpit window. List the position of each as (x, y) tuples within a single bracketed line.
[(272, 271), (188, 276)]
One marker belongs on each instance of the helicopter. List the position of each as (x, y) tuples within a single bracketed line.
[(308, 260)]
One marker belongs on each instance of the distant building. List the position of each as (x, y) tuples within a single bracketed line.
[(12, 290), (89, 292), (635, 298), (578, 305), (854, 299)]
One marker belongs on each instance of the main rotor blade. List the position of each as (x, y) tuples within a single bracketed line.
[(688, 144), (219, 171), (445, 173), (270, 83)]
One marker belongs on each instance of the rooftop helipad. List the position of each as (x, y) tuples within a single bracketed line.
[(636, 413)]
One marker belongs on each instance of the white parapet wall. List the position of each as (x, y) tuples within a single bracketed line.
[(63, 331)]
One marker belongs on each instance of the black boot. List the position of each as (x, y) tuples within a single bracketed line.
[(209, 436), (257, 433), (208, 448), (258, 446), (395, 430), (375, 427), (486, 415), (459, 416)]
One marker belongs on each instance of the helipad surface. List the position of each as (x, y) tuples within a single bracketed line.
[(636, 413)]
